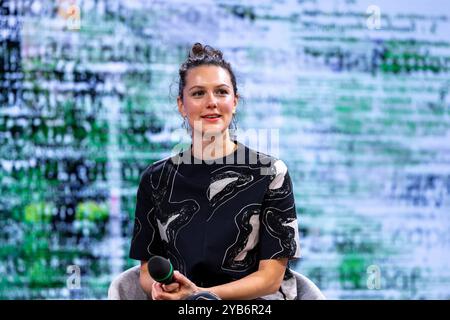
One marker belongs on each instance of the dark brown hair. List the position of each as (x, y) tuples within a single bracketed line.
[(203, 55)]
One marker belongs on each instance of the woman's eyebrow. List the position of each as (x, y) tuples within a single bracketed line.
[(195, 87), (202, 87)]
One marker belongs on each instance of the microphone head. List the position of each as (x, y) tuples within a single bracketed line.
[(160, 269)]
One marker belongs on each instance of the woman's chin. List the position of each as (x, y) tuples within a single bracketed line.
[(210, 131)]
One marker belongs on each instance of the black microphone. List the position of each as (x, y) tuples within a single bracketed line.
[(160, 269)]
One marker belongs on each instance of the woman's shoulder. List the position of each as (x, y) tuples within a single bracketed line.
[(156, 167), (273, 165)]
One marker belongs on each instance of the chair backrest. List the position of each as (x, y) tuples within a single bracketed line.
[(306, 289), (126, 286)]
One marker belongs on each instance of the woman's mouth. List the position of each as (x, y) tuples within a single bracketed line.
[(211, 117)]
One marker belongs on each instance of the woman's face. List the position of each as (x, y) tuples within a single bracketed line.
[(208, 99)]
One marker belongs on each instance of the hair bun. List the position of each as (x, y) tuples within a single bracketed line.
[(217, 54), (197, 51)]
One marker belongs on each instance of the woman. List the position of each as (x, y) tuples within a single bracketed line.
[(222, 213)]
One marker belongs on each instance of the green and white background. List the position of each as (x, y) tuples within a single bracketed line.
[(355, 94)]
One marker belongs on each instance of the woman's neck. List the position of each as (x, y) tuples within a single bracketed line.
[(210, 147)]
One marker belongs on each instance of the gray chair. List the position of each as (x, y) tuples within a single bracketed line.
[(306, 289), (126, 287)]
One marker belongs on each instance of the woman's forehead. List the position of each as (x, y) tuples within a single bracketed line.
[(208, 75)]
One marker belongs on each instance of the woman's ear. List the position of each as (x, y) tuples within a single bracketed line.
[(181, 107), (236, 100)]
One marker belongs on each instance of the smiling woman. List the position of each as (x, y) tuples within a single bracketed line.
[(227, 224), (207, 100)]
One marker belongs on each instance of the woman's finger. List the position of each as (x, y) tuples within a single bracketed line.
[(181, 279), (171, 287), (156, 291)]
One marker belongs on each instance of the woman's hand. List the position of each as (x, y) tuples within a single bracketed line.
[(180, 289)]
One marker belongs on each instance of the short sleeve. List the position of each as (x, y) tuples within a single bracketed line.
[(146, 240), (279, 237)]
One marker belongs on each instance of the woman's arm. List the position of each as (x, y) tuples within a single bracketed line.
[(265, 281)]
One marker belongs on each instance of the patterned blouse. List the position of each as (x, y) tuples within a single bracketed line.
[(215, 220)]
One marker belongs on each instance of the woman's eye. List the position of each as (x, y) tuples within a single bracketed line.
[(222, 91), (197, 93)]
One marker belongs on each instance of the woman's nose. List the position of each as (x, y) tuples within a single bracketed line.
[(212, 100)]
